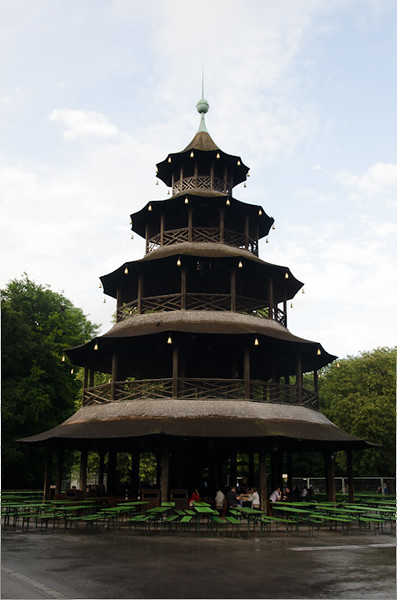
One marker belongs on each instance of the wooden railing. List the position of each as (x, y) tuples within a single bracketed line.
[(203, 235), (209, 302), (201, 389)]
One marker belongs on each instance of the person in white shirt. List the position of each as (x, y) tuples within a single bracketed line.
[(276, 495), (254, 497)]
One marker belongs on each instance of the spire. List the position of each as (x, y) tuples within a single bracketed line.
[(202, 107)]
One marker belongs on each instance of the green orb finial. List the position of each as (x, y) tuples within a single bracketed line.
[(202, 106)]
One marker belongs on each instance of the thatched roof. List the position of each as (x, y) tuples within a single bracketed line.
[(197, 418)]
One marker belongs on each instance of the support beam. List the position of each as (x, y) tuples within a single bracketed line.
[(350, 480), (330, 475), (190, 225), (58, 480), (140, 294), (299, 380), (262, 480), (233, 469), (114, 377), (47, 475), (175, 355), (247, 383), (162, 226), (83, 470), (164, 477), (233, 304), (183, 288), (222, 226)]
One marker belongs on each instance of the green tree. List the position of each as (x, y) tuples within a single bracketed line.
[(358, 395), (38, 387)]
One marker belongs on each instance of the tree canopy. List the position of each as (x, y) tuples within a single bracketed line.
[(38, 388), (358, 395)]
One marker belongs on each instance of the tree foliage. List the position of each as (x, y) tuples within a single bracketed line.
[(38, 388), (358, 395)]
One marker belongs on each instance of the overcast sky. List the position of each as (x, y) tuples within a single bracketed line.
[(93, 93)]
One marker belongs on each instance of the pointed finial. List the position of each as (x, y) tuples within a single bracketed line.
[(202, 106)]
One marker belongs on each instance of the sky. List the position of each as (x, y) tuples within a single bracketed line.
[(93, 93)]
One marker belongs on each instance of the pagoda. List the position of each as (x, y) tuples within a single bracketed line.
[(201, 366)]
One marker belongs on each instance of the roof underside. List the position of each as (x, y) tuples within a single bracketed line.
[(196, 418)]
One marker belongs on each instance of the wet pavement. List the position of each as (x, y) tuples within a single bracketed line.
[(117, 565)]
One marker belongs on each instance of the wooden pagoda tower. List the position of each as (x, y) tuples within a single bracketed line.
[(201, 364)]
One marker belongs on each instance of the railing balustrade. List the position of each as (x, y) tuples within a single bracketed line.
[(201, 389), (209, 302), (203, 235)]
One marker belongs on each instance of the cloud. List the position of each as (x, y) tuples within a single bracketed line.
[(81, 123), (379, 181)]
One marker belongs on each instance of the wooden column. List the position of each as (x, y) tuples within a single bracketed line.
[(190, 224), (233, 290), (162, 228), (285, 313), (140, 294), (118, 305), (315, 376), (47, 475), (83, 469), (183, 288), (262, 480), (225, 179), (58, 480), (135, 460), (101, 467), (222, 227), (350, 480), (114, 377), (233, 469), (272, 312), (111, 480), (175, 353), (195, 173), (289, 469), (92, 375), (212, 175), (247, 232), (251, 469), (147, 238), (330, 475), (85, 382), (165, 471), (246, 372), (299, 377)]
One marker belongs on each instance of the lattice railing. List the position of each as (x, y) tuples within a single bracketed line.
[(221, 302), (203, 235), (202, 389), (201, 182)]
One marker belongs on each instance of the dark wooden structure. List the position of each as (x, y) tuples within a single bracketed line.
[(201, 363)]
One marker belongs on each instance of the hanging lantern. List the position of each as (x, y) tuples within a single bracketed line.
[(240, 265), (245, 185), (100, 285), (273, 227), (238, 163), (256, 342), (169, 159), (126, 271), (186, 200), (169, 341), (218, 155), (318, 352), (149, 208), (338, 365), (63, 358), (96, 346), (286, 276), (228, 202), (267, 241), (157, 181), (260, 213), (71, 371), (303, 290), (178, 262), (192, 154), (292, 306)]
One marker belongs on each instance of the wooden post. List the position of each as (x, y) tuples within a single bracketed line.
[(111, 480), (47, 475), (92, 375), (247, 232), (58, 480), (135, 460), (83, 469), (183, 288), (101, 467), (225, 179), (190, 225), (114, 377), (140, 294), (251, 469), (285, 313), (165, 471), (162, 229), (330, 475), (233, 468), (147, 238), (233, 290), (222, 226), (272, 312), (247, 383), (175, 371), (262, 480), (350, 480), (85, 382), (299, 377), (289, 469), (119, 304)]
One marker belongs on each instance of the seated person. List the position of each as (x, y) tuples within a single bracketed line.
[(275, 496)]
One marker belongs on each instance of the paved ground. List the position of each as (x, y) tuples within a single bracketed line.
[(119, 565)]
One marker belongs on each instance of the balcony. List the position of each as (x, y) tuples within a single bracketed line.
[(208, 302), (200, 389), (203, 235)]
